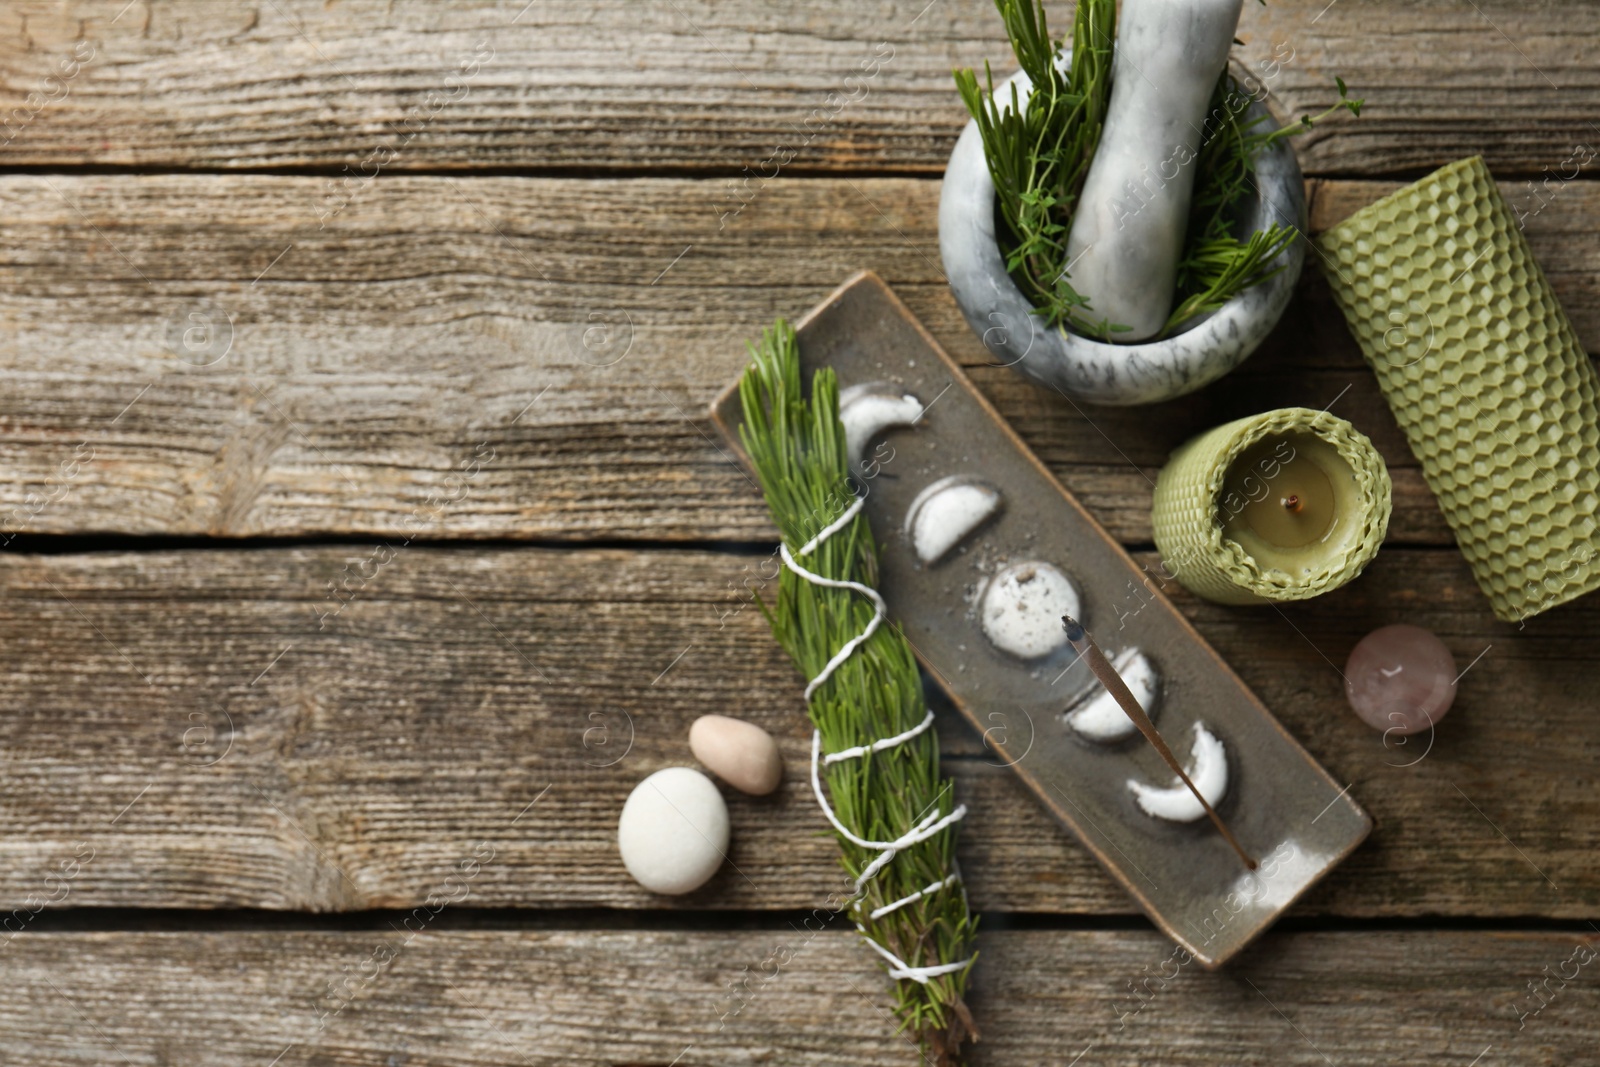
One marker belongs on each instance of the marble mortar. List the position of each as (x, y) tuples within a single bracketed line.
[(1098, 372)]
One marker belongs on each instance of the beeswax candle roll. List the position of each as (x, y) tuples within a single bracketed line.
[(1486, 377)]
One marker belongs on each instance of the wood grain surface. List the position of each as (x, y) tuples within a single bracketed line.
[(329, 729), (530, 358), (373, 545), (418, 991), (744, 88)]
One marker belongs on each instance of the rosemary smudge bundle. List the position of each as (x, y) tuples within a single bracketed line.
[(798, 450)]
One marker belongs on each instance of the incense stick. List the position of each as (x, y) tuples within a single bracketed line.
[(1103, 670)]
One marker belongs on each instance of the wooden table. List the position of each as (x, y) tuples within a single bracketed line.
[(367, 545)]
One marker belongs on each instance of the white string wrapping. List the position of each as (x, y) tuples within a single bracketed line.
[(879, 746), (880, 609), (927, 827), (918, 895)]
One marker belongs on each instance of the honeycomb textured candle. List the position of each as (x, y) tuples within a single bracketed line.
[(1188, 522), (1484, 374)]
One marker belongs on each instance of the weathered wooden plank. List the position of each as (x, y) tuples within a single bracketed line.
[(429, 993), (747, 88), (523, 358), (223, 731)]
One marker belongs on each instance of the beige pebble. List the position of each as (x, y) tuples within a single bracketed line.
[(740, 753)]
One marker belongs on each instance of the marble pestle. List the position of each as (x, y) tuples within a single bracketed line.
[(1127, 233)]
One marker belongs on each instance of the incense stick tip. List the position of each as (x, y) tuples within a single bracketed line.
[(1073, 627)]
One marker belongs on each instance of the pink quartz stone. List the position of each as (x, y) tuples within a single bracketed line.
[(1400, 679)]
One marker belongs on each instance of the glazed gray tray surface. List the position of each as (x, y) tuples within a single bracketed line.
[(1280, 803)]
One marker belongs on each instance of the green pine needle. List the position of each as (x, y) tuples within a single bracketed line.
[(798, 450)]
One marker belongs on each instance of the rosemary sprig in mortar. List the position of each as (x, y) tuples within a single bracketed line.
[(1039, 153), (798, 450), (1216, 265)]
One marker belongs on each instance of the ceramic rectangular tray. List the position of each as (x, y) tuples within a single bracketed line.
[(1280, 803)]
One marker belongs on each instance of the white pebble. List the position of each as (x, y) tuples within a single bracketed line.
[(673, 832), (740, 753), (1022, 609)]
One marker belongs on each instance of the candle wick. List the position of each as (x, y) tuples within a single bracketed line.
[(1292, 503)]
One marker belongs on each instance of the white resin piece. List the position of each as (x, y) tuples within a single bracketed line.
[(1208, 770), (947, 511), (868, 409), (1127, 232), (1022, 608), (1100, 718), (673, 832)]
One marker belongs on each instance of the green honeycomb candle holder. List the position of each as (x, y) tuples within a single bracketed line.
[(1204, 490), (1485, 376)]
